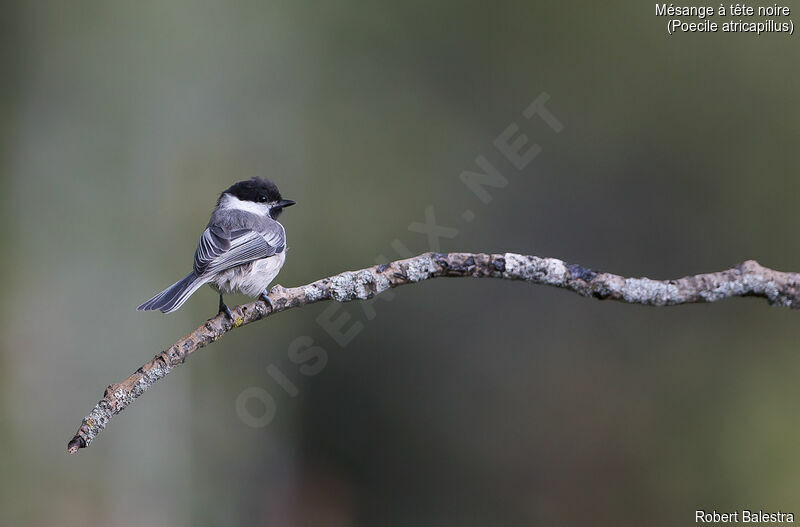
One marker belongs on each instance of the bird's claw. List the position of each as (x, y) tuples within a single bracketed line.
[(265, 297)]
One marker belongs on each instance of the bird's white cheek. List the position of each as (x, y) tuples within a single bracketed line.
[(232, 202)]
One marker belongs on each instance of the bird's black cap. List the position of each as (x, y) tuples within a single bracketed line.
[(255, 189)]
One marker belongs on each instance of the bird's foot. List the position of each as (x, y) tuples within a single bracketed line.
[(227, 311), (265, 297)]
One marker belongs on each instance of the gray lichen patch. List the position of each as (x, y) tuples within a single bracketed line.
[(125, 397), (363, 285), (602, 289), (157, 370), (141, 386), (549, 271), (647, 291), (518, 267), (381, 284), (350, 286), (552, 271), (343, 287), (724, 290), (95, 422), (772, 291), (783, 301), (748, 284), (420, 268), (312, 293)]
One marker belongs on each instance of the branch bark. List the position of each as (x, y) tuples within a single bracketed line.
[(747, 279)]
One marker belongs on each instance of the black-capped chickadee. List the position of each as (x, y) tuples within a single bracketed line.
[(242, 249)]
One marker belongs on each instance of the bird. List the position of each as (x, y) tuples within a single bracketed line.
[(241, 250)]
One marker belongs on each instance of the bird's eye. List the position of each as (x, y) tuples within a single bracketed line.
[(262, 199)]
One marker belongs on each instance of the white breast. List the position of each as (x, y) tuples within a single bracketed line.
[(250, 279)]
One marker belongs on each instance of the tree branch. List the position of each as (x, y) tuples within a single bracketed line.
[(747, 279)]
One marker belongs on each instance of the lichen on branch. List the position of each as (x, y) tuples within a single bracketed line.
[(747, 279)]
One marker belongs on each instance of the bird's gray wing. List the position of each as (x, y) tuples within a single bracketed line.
[(220, 249)]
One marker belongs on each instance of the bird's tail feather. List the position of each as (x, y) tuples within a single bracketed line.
[(174, 296)]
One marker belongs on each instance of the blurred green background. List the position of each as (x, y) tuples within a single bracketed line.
[(462, 402)]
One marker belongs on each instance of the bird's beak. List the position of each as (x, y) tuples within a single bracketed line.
[(285, 203)]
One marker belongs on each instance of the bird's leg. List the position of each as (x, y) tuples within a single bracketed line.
[(224, 309)]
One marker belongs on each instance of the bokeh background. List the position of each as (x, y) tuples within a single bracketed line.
[(461, 402)]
